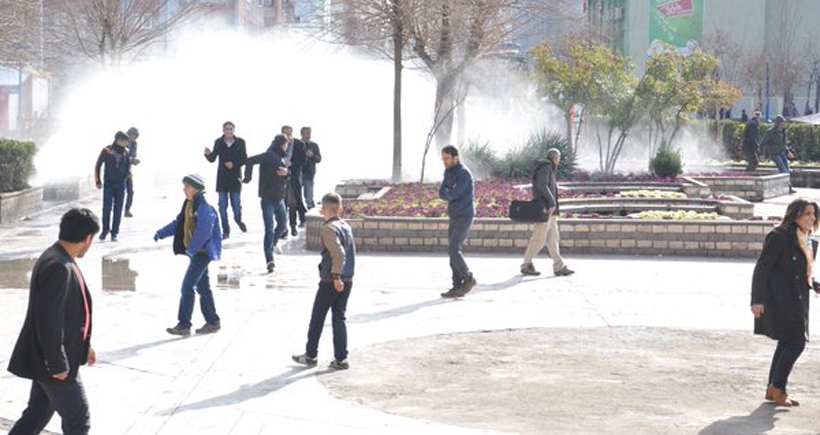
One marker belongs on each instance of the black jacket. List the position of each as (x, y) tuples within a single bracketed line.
[(774, 143), (779, 284), (309, 171), (51, 341), (228, 180), (545, 184), (751, 140), (271, 185)]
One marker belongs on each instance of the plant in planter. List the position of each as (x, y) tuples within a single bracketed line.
[(16, 164)]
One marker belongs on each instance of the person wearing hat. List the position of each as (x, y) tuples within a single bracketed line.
[(117, 161), (133, 134), (197, 235), (751, 142), (775, 146)]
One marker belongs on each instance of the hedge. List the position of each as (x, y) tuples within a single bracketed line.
[(804, 139), (16, 164)]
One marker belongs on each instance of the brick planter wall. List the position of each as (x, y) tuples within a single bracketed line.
[(15, 205), (70, 189), (757, 188), (720, 238)]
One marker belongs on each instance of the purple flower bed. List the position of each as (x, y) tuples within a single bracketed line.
[(740, 174), (583, 176)]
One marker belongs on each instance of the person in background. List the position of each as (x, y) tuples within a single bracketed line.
[(312, 156), (133, 134), (743, 116), (117, 161), (781, 281), (196, 235), (56, 336), (776, 147), (230, 150), (751, 142)]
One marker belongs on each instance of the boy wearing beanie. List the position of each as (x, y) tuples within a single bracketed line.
[(196, 234)]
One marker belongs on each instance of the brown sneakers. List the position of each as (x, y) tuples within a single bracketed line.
[(529, 270), (779, 397)]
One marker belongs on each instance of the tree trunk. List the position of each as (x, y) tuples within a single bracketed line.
[(398, 48), (461, 125), (445, 102), (570, 128)]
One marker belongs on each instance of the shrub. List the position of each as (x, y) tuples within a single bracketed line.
[(16, 164), (481, 159), (518, 163), (667, 163)]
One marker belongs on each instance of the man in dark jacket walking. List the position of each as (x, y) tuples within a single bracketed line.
[(196, 235), (312, 157), (273, 174), (117, 161), (294, 201), (545, 189), (776, 147), (458, 190), (56, 336), (230, 150), (751, 142)]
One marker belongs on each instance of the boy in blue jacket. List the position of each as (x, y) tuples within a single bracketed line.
[(197, 235)]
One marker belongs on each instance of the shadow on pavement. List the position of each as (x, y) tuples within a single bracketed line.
[(760, 421), (132, 351), (248, 392), (393, 312)]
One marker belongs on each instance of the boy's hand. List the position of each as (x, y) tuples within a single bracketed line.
[(338, 285)]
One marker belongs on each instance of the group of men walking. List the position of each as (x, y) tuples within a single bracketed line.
[(774, 145)]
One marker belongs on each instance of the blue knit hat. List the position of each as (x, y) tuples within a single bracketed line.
[(195, 181)]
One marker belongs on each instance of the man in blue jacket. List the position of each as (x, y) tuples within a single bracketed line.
[(56, 336), (117, 160), (196, 234), (457, 189)]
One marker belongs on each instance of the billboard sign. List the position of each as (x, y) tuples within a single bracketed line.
[(676, 22)]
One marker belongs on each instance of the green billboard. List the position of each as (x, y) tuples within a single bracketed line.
[(675, 22)]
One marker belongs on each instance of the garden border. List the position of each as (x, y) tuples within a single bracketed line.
[(21, 203)]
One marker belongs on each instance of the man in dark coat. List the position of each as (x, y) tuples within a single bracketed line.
[(230, 150), (312, 157), (751, 142), (775, 146), (780, 293), (458, 189), (273, 174), (56, 336), (117, 160)]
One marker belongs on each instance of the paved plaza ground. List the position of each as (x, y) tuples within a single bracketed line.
[(628, 345)]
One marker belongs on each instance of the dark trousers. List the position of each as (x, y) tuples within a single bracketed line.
[(196, 279), (783, 361), (66, 397), (236, 204), (782, 162), (327, 298), (293, 211), (129, 192), (456, 235), (272, 235), (113, 195), (751, 159)]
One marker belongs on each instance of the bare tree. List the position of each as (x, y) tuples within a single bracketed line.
[(784, 66), (108, 30), (729, 53), (20, 32)]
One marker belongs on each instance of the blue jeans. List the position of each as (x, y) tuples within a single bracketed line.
[(456, 234), (129, 192), (327, 298), (196, 278), (783, 361), (271, 209), (236, 205), (66, 397), (782, 162), (113, 195), (307, 186)]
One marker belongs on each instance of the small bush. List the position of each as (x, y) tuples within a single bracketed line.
[(518, 163), (481, 159), (667, 163), (16, 164)]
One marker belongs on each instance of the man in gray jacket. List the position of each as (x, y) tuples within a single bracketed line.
[(775, 146), (545, 188)]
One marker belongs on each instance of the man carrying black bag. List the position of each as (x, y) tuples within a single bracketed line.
[(545, 188)]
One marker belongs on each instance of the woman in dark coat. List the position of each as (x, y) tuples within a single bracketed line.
[(780, 293)]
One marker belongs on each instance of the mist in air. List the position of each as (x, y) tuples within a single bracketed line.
[(261, 83)]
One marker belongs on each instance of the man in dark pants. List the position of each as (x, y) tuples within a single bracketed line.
[(56, 336), (295, 160), (751, 142), (312, 157), (336, 280), (230, 149), (117, 161), (273, 174), (775, 145), (457, 189), (133, 134)]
